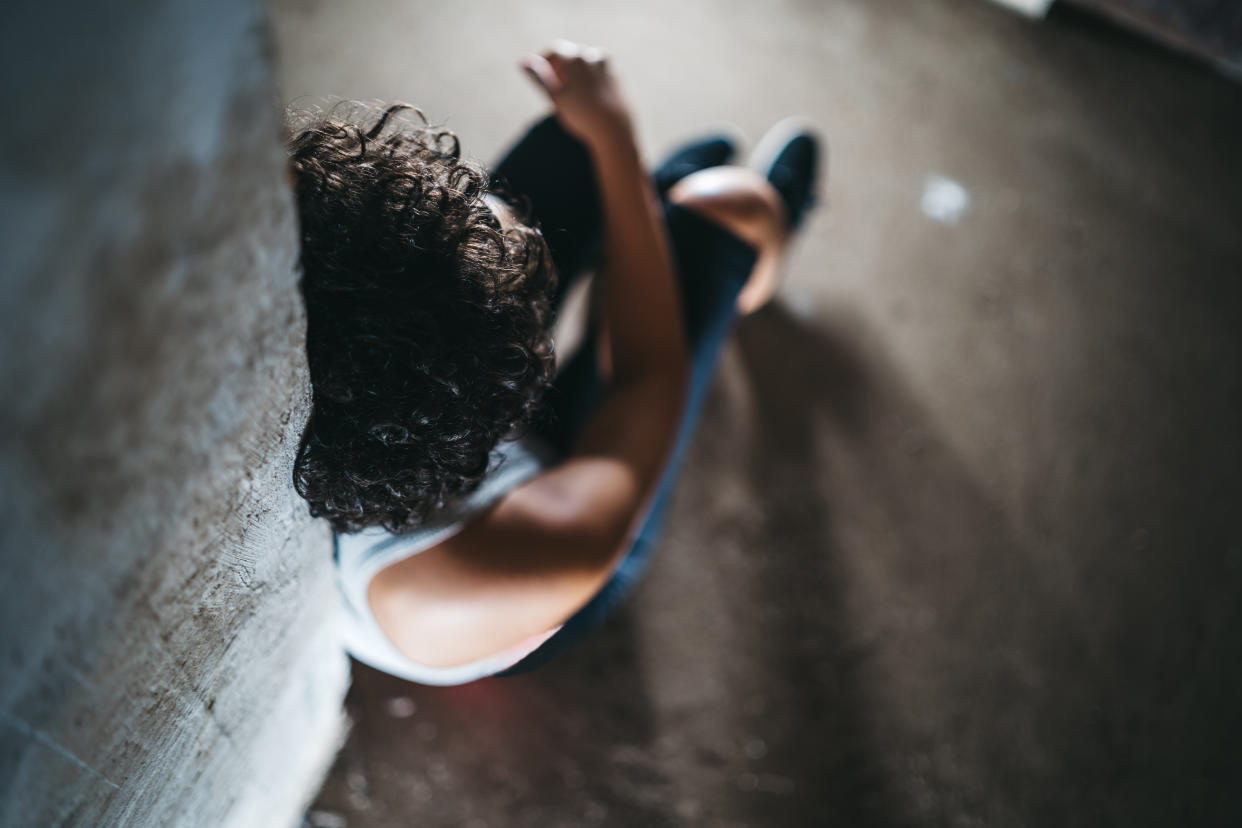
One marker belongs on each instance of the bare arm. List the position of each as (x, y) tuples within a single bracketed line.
[(550, 544), (641, 309)]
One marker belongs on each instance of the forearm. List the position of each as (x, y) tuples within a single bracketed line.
[(640, 303), (639, 306)]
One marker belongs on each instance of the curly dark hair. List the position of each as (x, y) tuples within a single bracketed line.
[(427, 324)]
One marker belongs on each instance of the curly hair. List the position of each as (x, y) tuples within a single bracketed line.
[(427, 324)]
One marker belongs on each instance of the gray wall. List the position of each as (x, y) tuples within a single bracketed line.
[(165, 608)]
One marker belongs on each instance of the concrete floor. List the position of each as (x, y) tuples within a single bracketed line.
[(958, 543)]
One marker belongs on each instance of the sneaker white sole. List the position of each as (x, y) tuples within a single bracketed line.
[(774, 140)]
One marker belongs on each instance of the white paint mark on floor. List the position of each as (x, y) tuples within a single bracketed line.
[(944, 200), (401, 707), (326, 819)]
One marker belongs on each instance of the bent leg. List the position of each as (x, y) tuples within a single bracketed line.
[(746, 204), (712, 212), (549, 174)]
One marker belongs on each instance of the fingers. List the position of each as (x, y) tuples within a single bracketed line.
[(583, 92), (565, 53), (539, 69), (552, 68), (562, 48)]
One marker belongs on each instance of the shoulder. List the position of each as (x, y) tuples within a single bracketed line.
[(517, 570)]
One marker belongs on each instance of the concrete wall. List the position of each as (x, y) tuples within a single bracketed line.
[(165, 607)]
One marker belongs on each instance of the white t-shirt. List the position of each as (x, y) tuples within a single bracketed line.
[(361, 555)]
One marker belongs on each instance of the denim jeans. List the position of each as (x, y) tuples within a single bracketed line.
[(550, 173)]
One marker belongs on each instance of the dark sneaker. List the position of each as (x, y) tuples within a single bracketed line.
[(712, 150), (788, 156)]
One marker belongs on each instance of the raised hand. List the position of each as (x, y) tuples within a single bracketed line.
[(584, 93)]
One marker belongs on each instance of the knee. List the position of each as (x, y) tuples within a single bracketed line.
[(737, 198)]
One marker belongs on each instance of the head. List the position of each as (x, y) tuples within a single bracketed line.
[(427, 319)]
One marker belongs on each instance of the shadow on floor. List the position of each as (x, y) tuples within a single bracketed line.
[(951, 666), (843, 626), (551, 748)]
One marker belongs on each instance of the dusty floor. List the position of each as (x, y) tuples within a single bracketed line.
[(959, 541)]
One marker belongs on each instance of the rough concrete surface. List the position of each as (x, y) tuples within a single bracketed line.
[(958, 542), (168, 656)]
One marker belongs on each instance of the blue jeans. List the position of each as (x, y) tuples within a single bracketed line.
[(550, 173)]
